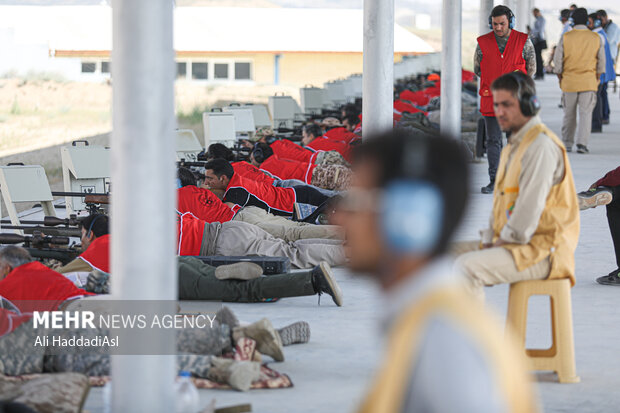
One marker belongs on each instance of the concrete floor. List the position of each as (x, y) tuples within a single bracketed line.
[(331, 373)]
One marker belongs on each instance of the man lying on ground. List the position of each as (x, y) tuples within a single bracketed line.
[(314, 140), (240, 191), (247, 170), (332, 177), (240, 282), (205, 205), (606, 191)]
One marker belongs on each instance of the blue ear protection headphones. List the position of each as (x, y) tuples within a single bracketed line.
[(597, 23), (511, 20), (412, 208), (179, 184), (530, 105), (259, 156)]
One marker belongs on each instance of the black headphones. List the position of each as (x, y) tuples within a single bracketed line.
[(511, 19), (529, 103), (90, 227), (258, 154)]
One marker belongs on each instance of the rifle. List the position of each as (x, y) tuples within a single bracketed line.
[(50, 221), (42, 246)]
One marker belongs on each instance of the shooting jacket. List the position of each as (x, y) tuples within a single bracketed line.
[(97, 255), (342, 135), (286, 149), (288, 169), (326, 145), (250, 171), (195, 236), (245, 192), (203, 204), (35, 287)]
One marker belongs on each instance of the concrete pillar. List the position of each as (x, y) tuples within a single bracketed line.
[(143, 192), (451, 68), (522, 14), (378, 77), (485, 11), (276, 69)]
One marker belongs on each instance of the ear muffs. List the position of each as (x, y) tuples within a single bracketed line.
[(411, 216), (597, 23), (258, 154), (529, 104), (511, 20)]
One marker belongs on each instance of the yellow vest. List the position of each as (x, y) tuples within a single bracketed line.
[(558, 229), (390, 389), (579, 63)]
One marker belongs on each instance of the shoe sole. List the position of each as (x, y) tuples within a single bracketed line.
[(327, 272), (605, 282), (602, 198)]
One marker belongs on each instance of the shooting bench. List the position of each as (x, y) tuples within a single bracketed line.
[(188, 145)]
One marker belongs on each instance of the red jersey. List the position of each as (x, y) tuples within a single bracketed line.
[(34, 287), (494, 64), (97, 255), (288, 169), (203, 204), (243, 192), (10, 320), (419, 97), (286, 149), (190, 233), (341, 135), (249, 171), (324, 144)]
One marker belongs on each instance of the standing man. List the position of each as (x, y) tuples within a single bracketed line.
[(579, 62), (540, 42), (534, 227), (565, 19), (444, 353), (612, 31), (500, 51), (602, 103)]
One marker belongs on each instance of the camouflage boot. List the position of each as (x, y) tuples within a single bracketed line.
[(238, 374), (268, 341), (296, 333)]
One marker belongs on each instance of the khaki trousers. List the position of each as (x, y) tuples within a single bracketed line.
[(585, 103), (492, 266), (240, 238), (287, 229)]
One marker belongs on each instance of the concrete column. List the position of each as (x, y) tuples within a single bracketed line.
[(522, 14), (485, 11), (378, 77), (143, 191), (451, 68)]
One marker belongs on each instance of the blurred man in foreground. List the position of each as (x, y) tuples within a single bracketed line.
[(444, 353)]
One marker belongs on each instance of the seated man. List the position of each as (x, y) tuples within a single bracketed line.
[(205, 205), (240, 191), (332, 177), (313, 139), (534, 226), (199, 281), (32, 286), (197, 237), (606, 191), (444, 353)]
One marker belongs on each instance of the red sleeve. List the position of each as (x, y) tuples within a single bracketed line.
[(288, 150), (612, 178), (203, 204), (249, 171)]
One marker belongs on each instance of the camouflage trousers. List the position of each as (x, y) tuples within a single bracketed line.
[(330, 158), (196, 346), (333, 177)]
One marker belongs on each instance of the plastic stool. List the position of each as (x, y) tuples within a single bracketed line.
[(560, 357)]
